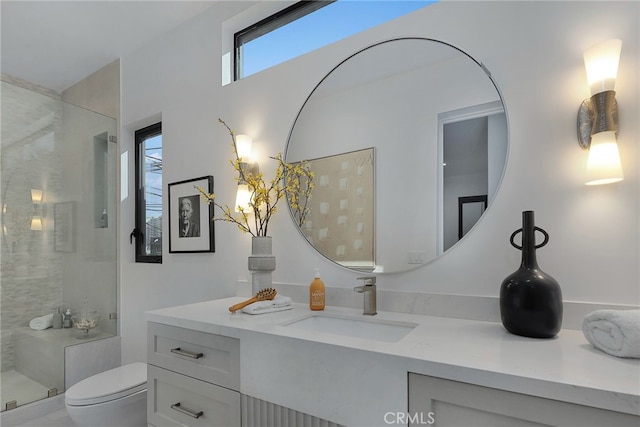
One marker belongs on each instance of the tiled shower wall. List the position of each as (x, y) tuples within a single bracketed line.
[(31, 269)]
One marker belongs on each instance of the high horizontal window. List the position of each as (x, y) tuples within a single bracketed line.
[(308, 25)]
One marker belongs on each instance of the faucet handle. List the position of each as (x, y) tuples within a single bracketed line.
[(368, 280)]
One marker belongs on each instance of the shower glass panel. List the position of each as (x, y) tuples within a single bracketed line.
[(58, 204)]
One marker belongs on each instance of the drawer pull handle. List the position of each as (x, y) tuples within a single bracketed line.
[(186, 353), (178, 407)]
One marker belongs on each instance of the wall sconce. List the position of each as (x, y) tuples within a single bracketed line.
[(243, 145), (598, 116), (36, 219), (248, 167)]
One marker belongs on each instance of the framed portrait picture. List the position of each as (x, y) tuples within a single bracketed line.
[(190, 224), (64, 236)]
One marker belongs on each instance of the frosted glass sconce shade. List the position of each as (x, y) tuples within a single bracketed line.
[(36, 196), (598, 115), (243, 145), (36, 223), (243, 197), (603, 164), (601, 61)]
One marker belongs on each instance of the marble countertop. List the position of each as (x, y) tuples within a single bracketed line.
[(565, 368)]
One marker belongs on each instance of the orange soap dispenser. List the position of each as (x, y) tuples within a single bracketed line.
[(316, 293)]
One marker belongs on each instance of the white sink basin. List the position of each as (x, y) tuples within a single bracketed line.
[(351, 326)]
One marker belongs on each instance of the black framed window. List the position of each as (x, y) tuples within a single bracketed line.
[(280, 19), (148, 227), (308, 25)]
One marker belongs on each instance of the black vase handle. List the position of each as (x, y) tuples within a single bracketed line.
[(544, 242)]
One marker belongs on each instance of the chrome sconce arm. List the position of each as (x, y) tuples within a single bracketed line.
[(597, 114)]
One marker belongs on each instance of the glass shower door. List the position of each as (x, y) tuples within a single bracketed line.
[(58, 199)]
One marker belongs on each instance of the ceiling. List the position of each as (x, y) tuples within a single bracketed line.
[(55, 44)]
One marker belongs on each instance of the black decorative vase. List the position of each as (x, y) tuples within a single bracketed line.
[(530, 299)]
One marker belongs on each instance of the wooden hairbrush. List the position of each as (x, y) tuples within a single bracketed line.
[(263, 295)]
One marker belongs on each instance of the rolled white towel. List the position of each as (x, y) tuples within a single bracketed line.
[(41, 323), (616, 332), (279, 303)]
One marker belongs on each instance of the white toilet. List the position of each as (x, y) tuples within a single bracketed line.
[(117, 397)]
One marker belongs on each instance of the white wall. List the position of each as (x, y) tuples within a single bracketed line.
[(534, 52)]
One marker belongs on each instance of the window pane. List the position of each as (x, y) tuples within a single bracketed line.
[(148, 230), (321, 27), (153, 195)]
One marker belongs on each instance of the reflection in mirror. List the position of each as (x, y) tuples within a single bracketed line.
[(470, 209), (340, 219), (397, 96), (472, 141)]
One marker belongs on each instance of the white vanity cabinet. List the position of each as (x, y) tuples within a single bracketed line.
[(445, 403), (193, 378), (445, 372)]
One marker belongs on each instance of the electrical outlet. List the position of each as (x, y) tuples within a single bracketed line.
[(417, 257)]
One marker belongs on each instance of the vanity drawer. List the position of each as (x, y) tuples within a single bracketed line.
[(176, 400), (208, 357)]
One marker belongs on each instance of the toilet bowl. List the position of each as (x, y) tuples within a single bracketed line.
[(117, 397)]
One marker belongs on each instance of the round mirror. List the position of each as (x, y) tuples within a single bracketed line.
[(407, 140)]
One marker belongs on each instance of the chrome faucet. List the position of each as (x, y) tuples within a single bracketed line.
[(369, 292)]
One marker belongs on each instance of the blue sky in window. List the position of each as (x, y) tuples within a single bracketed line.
[(320, 28), (153, 176)]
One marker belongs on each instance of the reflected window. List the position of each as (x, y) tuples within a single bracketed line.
[(148, 231), (309, 25)]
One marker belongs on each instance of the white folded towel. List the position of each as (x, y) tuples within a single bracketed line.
[(41, 323), (279, 303), (616, 332)]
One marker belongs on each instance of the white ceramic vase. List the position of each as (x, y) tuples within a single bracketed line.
[(261, 263)]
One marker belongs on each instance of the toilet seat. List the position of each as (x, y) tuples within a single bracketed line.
[(109, 385)]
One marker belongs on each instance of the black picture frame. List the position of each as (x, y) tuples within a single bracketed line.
[(196, 232)]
